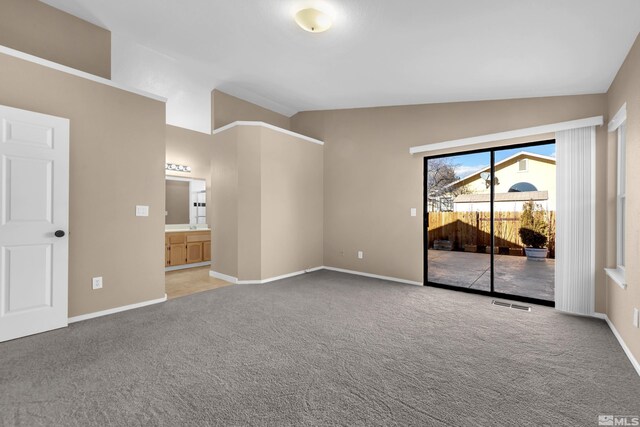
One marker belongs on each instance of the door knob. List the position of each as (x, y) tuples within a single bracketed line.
[(59, 233)]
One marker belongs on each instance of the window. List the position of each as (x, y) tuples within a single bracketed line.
[(618, 127), (521, 187), (523, 165), (621, 196)]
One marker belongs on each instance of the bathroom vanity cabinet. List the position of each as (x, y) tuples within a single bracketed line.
[(187, 247)]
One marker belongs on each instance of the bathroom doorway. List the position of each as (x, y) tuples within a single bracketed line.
[(187, 238)]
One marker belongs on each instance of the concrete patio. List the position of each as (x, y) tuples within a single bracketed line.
[(514, 275)]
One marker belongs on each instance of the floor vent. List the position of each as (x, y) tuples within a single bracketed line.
[(500, 303), (508, 305)]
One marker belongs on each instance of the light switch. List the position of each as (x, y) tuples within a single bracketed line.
[(414, 212), (142, 210), (636, 318), (360, 254)]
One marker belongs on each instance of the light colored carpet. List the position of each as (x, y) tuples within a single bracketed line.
[(320, 349)]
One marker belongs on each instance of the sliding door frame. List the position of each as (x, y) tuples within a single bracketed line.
[(425, 225)]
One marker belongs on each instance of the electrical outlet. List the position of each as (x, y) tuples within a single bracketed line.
[(636, 318), (96, 283), (360, 254)]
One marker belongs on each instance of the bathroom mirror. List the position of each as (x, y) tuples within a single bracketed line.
[(186, 200)]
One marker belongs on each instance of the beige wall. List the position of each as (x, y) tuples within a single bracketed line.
[(227, 109), (236, 199), (292, 204), (190, 148), (38, 29), (267, 191), (371, 181), (176, 202), (117, 155), (620, 302), (249, 203), (224, 203)]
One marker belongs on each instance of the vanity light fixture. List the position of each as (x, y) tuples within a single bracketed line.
[(313, 20), (177, 168)]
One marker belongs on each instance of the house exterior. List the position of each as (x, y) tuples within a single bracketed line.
[(522, 177)]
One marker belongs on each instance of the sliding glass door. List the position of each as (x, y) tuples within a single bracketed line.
[(524, 221), (490, 221), (459, 239)]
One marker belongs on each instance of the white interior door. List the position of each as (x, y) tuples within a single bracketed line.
[(34, 204)]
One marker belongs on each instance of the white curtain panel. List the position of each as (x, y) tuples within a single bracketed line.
[(575, 220)]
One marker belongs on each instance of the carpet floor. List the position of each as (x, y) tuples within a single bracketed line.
[(323, 348)]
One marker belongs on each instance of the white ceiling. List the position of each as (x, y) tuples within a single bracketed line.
[(379, 52)]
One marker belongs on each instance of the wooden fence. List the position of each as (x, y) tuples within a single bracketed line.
[(474, 228)]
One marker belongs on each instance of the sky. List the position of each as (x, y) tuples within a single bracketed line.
[(466, 164)]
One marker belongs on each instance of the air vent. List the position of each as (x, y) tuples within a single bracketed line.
[(500, 303), (508, 305)]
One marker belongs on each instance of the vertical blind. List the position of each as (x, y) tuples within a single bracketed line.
[(575, 220)]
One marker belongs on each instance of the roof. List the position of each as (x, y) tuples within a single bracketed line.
[(523, 196), (508, 159)]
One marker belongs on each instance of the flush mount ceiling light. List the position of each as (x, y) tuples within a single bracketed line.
[(313, 20)]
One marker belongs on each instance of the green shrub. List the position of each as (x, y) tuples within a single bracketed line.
[(533, 225)]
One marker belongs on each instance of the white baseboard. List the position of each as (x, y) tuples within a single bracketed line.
[(309, 270), (261, 281), (284, 276), (604, 317), (222, 276), (375, 276), (185, 266), (633, 360), (116, 310)]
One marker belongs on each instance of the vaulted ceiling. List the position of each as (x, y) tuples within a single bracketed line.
[(379, 52)]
